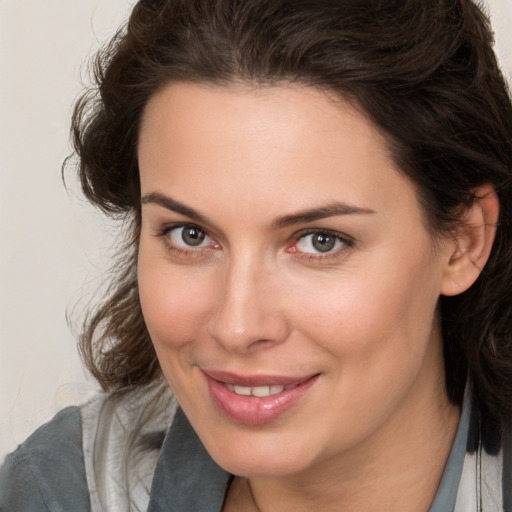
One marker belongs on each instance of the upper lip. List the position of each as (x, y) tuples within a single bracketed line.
[(255, 380)]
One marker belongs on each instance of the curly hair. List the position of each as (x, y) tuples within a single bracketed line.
[(424, 71)]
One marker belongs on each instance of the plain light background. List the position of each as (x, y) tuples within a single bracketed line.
[(55, 249)]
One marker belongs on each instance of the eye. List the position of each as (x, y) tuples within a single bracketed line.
[(319, 242), (189, 236)]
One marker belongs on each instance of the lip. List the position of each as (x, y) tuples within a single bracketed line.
[(252, 410)]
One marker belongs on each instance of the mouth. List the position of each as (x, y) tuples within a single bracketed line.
[(258, 399)]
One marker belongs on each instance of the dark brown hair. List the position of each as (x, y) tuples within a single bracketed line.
[(423, 70)]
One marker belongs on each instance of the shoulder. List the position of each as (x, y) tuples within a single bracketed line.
[(47, 471), (100, 456)]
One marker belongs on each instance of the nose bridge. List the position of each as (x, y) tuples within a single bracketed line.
[(248, 308)]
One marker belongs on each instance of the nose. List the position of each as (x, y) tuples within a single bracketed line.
[(248, 314)]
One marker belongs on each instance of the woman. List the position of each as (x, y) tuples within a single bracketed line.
[(319, 199)]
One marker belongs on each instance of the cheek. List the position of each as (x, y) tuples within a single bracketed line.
[(175, 304), (381, 312)]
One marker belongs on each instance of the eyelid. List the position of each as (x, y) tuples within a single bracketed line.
[(347, 242), (165, 229), (184, 249)]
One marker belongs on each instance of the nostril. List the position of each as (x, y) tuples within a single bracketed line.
[(260, 344)]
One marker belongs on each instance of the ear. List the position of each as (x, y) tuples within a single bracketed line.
[(468, 254)]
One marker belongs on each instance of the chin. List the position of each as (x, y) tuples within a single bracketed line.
[(268, 468), (259, 457)]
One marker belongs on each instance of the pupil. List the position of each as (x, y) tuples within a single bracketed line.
[(192, 236), (323, 242)]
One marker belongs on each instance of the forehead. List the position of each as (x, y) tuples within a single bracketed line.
[(277, 115), (278, 146)]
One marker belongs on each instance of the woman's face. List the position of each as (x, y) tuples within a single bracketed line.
[(286, 277)]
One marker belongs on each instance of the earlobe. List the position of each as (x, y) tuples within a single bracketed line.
[(470, 251)]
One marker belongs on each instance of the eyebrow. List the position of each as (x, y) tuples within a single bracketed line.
[(174, 206), (331, 210)]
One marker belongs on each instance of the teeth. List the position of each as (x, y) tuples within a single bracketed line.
[(259, 391), (242, 390)]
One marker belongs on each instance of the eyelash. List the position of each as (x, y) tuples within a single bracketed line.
[(345, 241), (184, 251)]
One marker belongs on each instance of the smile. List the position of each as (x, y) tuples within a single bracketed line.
[(256, 400)]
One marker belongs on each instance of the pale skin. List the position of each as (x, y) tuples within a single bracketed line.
[(240, 166)]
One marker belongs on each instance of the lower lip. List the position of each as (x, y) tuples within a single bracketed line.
[(253, 410)]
